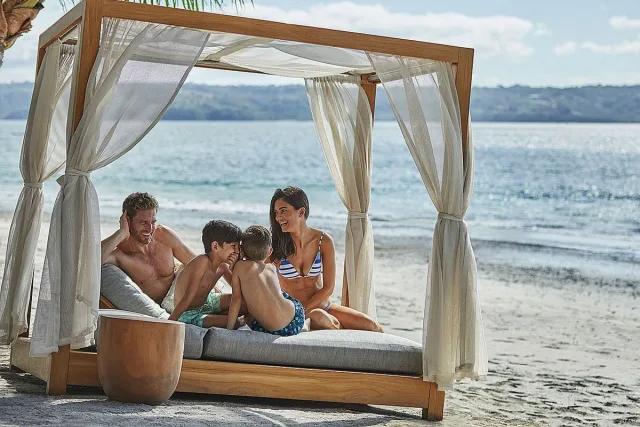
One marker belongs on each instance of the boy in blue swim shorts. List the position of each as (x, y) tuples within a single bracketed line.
[(197, 300), (255, 283)]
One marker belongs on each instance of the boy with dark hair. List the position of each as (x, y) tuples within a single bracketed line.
[(197, 300), (255, 283)]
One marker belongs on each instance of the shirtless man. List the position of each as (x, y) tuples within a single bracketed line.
[(143, 249)]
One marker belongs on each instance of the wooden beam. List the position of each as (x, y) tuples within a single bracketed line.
[(369, 88), (464, 72), (58, 369), (239, 379), (435, 408), (246, 379), (280, 31), (62, 26), (89, 42), (215, 65), (83, 369)]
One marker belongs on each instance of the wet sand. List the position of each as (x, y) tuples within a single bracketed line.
[(562, 351)]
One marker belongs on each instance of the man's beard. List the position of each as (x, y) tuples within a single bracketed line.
[(145, 240)]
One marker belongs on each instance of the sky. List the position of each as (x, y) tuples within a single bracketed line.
[(537, 43)]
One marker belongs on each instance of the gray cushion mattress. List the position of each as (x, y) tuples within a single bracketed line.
[(340, 350)]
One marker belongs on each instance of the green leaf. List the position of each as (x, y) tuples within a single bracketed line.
[(196, 5)]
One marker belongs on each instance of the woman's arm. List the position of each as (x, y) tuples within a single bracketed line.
[(328, 253), (236, 302)]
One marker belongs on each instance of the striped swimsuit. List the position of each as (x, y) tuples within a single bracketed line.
[(288, 271)]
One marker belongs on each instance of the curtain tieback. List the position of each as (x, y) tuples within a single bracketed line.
[(356, 215), (33, 184), (76, 172), (442, 215)]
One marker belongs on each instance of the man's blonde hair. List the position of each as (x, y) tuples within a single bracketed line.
[(138, 202)]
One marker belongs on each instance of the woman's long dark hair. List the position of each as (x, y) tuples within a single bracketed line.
[(282, 242)]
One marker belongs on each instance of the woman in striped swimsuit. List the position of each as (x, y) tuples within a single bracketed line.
[(305, 258)]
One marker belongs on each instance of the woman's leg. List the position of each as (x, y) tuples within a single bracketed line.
[(320, 319), (353, 319)]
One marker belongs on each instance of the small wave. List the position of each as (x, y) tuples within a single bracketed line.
[(222, 206), (577, 195), (550, 226)]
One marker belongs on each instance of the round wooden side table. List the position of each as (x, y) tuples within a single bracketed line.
[(139, 357)]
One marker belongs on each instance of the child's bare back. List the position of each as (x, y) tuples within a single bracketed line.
[(260, 289), (256, 283)]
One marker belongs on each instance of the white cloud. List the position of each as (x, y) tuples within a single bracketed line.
[(565, 48), (626, 47), (541, 30), (624, 23), (622, 48), (489, 35)]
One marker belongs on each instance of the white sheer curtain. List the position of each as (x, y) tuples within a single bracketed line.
[(138, 71), (424, 100), (343, 120), (43, 154)]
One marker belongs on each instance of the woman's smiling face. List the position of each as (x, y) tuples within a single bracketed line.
[(287, 216)]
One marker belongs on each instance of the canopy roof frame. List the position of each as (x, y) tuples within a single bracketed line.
[(89, 13)]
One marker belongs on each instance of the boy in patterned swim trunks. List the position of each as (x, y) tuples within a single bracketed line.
[(197, 300), (255, 283)]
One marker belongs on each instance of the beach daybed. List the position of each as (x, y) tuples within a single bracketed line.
[(108, 70)]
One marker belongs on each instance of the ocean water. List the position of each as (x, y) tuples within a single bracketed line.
[(545, 195)]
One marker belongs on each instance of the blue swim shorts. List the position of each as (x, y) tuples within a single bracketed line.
[(294, 327)]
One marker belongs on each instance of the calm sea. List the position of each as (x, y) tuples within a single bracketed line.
[(563, 195)]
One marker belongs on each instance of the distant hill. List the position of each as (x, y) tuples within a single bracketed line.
[(501, 104)]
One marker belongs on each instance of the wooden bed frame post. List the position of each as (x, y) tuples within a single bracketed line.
[(369, 88), (463, 87), (89, 43)]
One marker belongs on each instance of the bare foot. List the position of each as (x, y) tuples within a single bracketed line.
[(320, 319)]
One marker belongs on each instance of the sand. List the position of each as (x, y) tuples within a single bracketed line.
[(563, 350)]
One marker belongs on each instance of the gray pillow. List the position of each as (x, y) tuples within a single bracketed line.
[(193, 341), (123, 293)]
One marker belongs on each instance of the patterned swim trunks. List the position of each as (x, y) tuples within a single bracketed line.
[(196, 316), (294, 327)]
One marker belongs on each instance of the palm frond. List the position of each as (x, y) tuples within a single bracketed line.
[(196, 5)]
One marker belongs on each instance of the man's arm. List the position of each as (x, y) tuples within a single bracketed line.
[(110, 244), (236, 302), (189, 278), (180, 250)]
